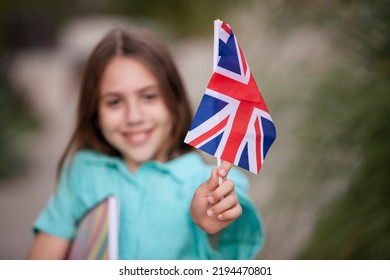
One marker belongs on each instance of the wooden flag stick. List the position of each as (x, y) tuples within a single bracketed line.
[(219, 177), (217, 25)]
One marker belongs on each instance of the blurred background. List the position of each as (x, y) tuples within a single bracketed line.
[(323, 68)]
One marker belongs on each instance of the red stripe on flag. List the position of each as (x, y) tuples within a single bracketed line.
[(258, 148), (238, 131), (209, 133), (226, 27), (237, 90)]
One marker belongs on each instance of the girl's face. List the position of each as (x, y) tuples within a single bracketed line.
[(132, 114)]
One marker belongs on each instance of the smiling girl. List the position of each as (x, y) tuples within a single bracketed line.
[(133, 115)]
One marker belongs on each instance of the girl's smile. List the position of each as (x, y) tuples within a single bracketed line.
[(138, 137)]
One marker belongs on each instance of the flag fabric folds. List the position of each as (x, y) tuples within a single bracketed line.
[(232, 121)]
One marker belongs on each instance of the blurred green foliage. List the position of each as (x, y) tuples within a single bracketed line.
[(15, 120), (183, 18), (357, 111), (180, 17), (348, 130), (25, 23)]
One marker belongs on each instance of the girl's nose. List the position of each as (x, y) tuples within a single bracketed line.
[(133, 114)]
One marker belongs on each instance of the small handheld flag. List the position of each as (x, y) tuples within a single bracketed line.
[(232, 122)]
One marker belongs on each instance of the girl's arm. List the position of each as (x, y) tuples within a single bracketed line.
[(215, 206), (48, 247)]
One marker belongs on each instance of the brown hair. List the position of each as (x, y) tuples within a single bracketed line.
[(146, 47)]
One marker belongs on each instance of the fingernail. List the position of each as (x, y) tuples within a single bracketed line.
[(222, 172), (210, 213), (211, 199), (220, 216)]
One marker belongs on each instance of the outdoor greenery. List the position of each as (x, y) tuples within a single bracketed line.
[(15, 120), (183, 18), (348, 132)]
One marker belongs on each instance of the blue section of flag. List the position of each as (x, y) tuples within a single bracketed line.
[(269, 133), (221, 45), (208, 107), (229, 56), (244, 163), (211, 146)]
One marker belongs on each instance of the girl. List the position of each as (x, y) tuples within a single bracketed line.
[(133, 115)]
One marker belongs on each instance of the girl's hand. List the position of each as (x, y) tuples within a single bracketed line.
[(215, 206)]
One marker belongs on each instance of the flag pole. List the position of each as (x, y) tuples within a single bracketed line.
[(217, 25)]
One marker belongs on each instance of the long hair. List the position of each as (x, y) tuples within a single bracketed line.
[(145, 46)]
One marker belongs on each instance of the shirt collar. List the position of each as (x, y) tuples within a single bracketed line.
[(184, 166), (94, 157), (181, 168)]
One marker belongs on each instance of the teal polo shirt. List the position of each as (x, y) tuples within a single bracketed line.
[(155, 221)]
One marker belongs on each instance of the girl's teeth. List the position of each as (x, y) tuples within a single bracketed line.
[(138, 137)]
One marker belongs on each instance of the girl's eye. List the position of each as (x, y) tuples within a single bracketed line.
[(150, 96), (113, 102)]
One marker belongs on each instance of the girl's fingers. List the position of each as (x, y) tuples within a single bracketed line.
[(212, 183), (209, 186), (228, 202), (223, 190), (231, 214), (224, 168)]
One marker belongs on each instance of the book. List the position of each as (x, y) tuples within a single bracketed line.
[(98, 233)]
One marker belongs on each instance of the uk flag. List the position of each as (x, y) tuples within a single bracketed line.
[(232, 121)]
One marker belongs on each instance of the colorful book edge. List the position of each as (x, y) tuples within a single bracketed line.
[(97, 236)]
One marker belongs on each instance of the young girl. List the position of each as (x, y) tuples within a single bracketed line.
[(133, 115)]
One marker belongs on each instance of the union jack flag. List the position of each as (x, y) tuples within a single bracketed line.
[(232, 121)]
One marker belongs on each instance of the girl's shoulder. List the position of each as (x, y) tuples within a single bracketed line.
[(86, 160), (87, 167)]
